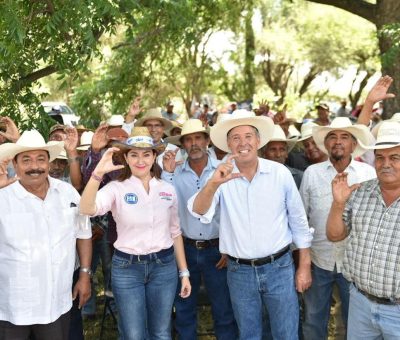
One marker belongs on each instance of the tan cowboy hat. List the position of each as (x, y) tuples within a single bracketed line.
[(279, 136), (190, 126), (140, 138), (62, 155), (30, 141), (306, 131), (154, 114), (359, 131), (388, 136), (86, 140), (174, 125), (219, 131), (394, 118)]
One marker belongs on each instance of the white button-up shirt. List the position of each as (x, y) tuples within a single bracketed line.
[(37, 252), (260, 217), (316, 192)]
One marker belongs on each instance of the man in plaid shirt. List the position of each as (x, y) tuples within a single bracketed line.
[(369, 214)]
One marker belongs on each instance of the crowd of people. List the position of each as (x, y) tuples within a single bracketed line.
[(277, 228)]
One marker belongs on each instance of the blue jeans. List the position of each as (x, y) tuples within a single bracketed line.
[(144, 293), (318, 300), (271, 287), (201, 262), (369, 320)]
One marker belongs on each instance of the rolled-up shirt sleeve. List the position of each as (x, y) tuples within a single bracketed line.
[(208, 216), (105, 199), (297, 217)]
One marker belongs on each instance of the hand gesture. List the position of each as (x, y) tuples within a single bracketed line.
[(100, 139), (106, 164), (169, 163), (11, 133), (82, 289), (379, 90), (223, 261), (280, 116), (223, 173), (186, 288), (71, 140), (341, 191), (134, 110), (4, 180), (303, 278)]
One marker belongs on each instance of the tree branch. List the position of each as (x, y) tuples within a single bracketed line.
[(32, 77), (361, 8)]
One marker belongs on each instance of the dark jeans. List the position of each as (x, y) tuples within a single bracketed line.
[(76, 325), (51, 331), (201, 263)]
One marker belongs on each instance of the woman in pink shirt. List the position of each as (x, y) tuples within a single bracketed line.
[(144, 272)]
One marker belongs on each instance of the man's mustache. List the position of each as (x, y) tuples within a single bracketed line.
[(37, 171)]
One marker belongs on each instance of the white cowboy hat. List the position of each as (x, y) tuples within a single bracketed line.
[(140, 138), (219, 131), (359, 131), (279, 136), (394, 118), (190, 126), (62, 155), (86, 140), (116, 120), (388, 136), (154, 114), (30, 141), (306, 131)]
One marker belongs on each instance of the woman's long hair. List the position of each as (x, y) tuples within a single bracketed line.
[(126, 171)]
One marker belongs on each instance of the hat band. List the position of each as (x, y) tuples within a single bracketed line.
[(387, 143), (140, 139)]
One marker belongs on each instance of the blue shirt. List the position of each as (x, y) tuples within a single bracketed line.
[(260, 217), (187, 183)]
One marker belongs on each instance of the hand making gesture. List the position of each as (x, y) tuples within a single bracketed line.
[(169, 163), (11, 133), (106, 164), (100, 140), (223, 173), (341, 191), (134, 110)]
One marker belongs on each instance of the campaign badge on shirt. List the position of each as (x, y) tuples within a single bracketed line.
[(165, 196), (131, 198)]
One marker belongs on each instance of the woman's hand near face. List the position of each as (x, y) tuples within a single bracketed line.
[(106, 164)]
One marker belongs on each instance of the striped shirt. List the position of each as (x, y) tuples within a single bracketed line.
[(372, 255)]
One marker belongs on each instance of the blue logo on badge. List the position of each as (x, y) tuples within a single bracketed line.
[(131, 198)]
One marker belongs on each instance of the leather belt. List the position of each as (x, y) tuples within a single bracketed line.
[(263, 260), (202, 244), (377, 299), (148, 257)]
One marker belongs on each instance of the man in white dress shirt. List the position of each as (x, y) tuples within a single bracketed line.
[(39, 228), (261, 215), (339, 141)]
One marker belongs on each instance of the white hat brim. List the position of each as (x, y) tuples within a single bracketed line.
[(165, 122), (219, 132), (362, 135), (10, 150)]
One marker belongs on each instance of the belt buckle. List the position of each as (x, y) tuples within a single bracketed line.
[(199, 244), (253, 262)]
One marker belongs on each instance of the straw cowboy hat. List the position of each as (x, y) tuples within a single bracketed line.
[(174, 125), (30, 141), (394, 118), (306, 131), (116, 120), (86, 140), (140, 138), (360, 132), (219, 131), (189, 127), (388, 136), (279, 136), (154, 114)]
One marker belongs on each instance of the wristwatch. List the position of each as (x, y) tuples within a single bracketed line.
[(87, 271)]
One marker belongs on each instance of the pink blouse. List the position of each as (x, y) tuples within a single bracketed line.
[(146, 222)]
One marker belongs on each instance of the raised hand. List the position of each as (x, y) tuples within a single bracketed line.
[(379, 90), (11, 133), (4, 180), (106, 164), (341, 191), (134, 110), (72, 139), (100, 139), (223, 173), (169, 163)]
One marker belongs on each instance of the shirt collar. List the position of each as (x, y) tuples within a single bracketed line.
[(21, 192), (263, 167), (212, 164), (330, 165)]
